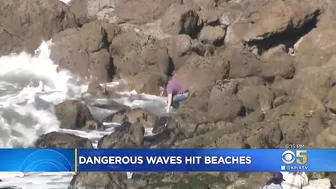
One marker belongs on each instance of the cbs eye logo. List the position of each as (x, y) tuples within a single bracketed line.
[(289, 157)]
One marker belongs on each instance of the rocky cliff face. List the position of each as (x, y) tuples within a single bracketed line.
[(261, 72), (24, 24)]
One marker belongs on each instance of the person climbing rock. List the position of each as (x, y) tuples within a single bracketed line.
[(175, 92), (274, 182), (294, 180)]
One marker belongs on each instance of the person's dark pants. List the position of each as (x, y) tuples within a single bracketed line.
[(178, 98)]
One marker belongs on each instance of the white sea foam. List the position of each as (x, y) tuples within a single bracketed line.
[(30, 86), (66, 1)]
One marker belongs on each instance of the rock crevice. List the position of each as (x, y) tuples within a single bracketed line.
[(288, 37)]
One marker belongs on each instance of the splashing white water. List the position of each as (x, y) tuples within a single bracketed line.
[(66, 1), (30, 86)]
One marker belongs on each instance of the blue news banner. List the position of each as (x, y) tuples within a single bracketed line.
[(167, 160)]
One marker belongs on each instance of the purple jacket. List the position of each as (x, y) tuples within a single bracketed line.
[(175, 87)]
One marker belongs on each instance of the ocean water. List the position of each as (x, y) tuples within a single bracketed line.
[(30, 86)]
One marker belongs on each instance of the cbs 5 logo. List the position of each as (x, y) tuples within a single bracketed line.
[(288, 157)]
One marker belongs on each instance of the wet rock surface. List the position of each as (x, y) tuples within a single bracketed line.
[(72, 114)]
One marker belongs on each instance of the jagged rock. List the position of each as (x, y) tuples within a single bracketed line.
[(242, 64), (312, 94), (203, 4), (161, 123), (207, 69), (293, 121), (141, 66), (180, 19), (270, 53), (279, 64), (296, 15), (84, 52), (147, 83), (279, 101), (149, 58), (234, 140), (223, 105), (147, 118), (118, 182), (245, 64), (178, 45), (224, 20), (224, 2), (323, 49), (256, 135), (72, 114), (194, 110), (88, 10), (80, 10), (103, 180), (211, 17), (165, 135), (128, 136), (62, 140), (114, 185), (251, 117), (112, 30), (91, 179), (202, 49), (263, 135), (212, 34), (142, 11), (256, 98), (25, 24), (317, 47), (250, 180), (180, 180), (127, 41), (260, 21), (209, 139)]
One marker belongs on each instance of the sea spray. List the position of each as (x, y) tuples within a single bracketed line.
[(30, 86)]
